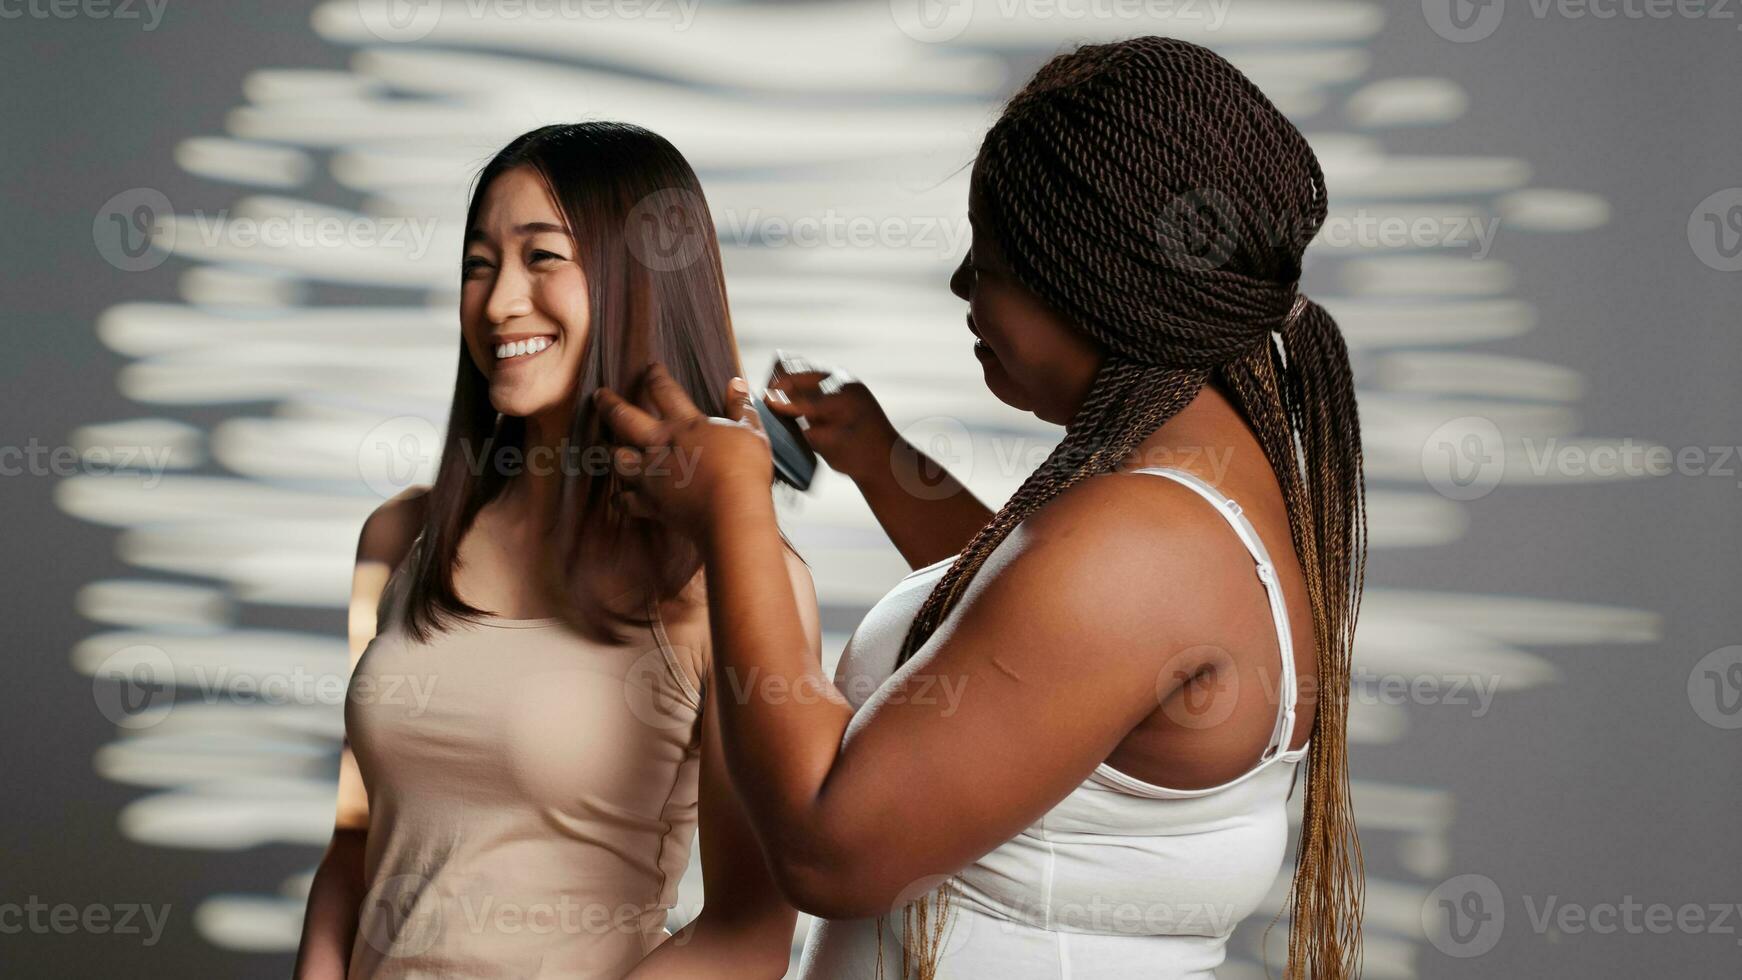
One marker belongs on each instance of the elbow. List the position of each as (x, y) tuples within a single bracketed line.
[(832, 884), (741, 939), (748, 951)]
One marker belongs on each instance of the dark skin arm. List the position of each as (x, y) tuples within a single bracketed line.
[(984, 730), (927, 513), (744, 932)]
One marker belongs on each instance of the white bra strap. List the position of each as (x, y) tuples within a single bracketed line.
[(1230, 511)]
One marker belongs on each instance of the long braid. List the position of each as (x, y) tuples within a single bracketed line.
[(1149, 192)]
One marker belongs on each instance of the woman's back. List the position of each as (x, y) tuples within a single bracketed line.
[(532, 796)]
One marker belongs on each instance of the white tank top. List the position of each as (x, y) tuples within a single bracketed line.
[(1122, 879)]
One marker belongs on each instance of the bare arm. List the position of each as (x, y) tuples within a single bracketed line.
[(927, 513), (329, 924), (1058, 654), (984, 730), (745, 928)]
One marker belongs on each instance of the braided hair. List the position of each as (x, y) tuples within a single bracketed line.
[(1149, 192)]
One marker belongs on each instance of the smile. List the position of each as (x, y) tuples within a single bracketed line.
[(522, 348)]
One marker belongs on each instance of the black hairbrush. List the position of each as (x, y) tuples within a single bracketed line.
[(795, 462)]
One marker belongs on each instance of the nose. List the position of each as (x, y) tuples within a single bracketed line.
[(962, 280), (508, 297)]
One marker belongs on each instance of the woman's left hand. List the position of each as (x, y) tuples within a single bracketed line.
[(683, 467)]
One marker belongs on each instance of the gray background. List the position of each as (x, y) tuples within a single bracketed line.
[(1604, 785)]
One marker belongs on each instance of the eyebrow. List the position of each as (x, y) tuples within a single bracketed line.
[(530, 228)]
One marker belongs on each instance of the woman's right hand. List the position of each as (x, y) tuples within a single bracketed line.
[(842, 420), (848, 429)]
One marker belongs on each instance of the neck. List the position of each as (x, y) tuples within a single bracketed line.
[(536, 490), (1202, 437)]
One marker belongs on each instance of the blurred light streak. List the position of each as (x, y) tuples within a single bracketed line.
[(1407, 102)]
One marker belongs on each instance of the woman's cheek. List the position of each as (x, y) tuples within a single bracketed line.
[(563, 296), (473, 329)]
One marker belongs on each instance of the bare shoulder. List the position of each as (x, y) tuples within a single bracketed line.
[(1130, 520), (799, 572), (1130, 542), (390, 529), (804, 593)]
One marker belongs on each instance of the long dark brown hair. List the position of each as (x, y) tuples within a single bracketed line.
[(646, 241), (1153, 195)]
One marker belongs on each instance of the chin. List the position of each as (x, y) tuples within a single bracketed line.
[(1013, 396), (999, 384), (519, 402)]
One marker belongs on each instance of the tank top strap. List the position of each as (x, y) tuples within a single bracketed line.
[(1231, 512), (690, 688), (390, 607)]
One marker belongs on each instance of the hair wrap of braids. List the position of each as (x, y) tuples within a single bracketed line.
[(1148, 191)]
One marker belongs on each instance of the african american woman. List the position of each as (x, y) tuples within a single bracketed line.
[(1144, 657)]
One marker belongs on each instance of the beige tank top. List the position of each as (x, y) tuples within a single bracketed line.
[(532, 796)]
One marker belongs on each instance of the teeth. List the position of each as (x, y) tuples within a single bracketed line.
[(521, 347)]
